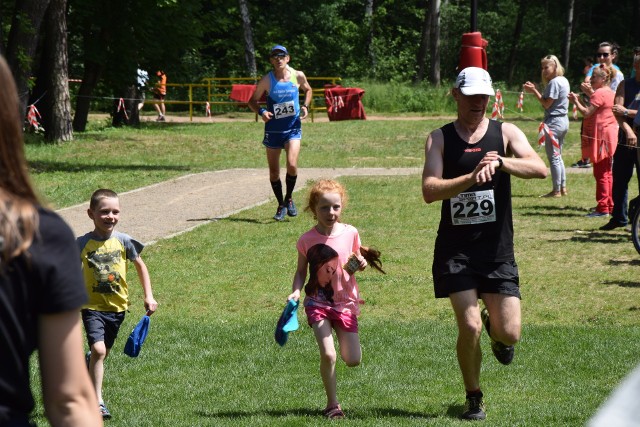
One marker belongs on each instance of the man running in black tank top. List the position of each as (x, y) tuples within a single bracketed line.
[(468, 167)]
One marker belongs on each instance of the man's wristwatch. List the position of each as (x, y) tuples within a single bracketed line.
[(626, 113), (306, 106), (500, 163)]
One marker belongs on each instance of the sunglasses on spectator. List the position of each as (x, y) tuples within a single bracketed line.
[(279, 55), (604, 55)]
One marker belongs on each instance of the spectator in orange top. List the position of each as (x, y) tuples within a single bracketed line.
[(159, 92)]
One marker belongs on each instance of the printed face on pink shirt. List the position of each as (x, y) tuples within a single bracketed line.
[(327, 271)]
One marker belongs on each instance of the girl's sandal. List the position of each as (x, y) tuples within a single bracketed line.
[(333, 412)]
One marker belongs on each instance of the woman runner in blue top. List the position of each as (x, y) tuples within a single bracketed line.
[(282, 127)]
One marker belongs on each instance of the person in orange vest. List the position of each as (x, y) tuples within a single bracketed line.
[(159, 92)]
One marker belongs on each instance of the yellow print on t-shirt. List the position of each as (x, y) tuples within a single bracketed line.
[(104, 266)]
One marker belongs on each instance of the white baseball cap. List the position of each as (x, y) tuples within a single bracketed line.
[(474, 81)]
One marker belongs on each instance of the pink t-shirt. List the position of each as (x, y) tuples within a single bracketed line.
[(600, 130), (329, 285)]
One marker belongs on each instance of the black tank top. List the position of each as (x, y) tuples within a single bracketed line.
[(476, 224)]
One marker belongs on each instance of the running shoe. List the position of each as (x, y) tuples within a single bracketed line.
[(104, 412), (582, 164), (474, 409), (280, 213), (291, 208), (503, 353), (596, 214)]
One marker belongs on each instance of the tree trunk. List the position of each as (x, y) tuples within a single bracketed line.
[(566, 43), (90, 78), (434, 48), (368, 22), (126, 112), (424, 45), (93, 69), (56, 111), (515, 40), (635, 17), (249, 49), (22, 43)]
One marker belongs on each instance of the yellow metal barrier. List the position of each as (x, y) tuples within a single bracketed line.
[(219, 89)]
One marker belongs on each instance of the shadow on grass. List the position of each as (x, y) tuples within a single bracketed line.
[(553, 211), (624, 284), (235, 219), (45, 166), (600, 237), (358, 414), (249, 220), (615, 262)]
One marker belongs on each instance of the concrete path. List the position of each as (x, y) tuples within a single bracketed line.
[(179, 205)]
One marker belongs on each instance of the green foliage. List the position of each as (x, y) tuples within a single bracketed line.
[(192, 39), (405, 98), (123, 35)]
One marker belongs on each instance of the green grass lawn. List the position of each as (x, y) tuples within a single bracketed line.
[(211, 359)]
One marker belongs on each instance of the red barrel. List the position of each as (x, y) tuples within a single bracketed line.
[(472, 51)]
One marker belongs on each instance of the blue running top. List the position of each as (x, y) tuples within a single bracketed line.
[(283, 101)]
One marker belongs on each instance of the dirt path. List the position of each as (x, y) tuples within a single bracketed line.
[(193, 200)]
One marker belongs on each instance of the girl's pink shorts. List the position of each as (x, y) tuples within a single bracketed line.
[(346, 321)]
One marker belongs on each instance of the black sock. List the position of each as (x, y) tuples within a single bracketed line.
[(474, 393), (291, 183), (276, 186)]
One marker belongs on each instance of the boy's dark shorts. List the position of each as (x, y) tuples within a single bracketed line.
[(456, 275), (102, 326)]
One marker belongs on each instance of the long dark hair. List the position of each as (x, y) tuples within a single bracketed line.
[(317, 256), (18, 200)]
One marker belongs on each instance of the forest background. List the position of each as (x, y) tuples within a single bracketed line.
[(101, 43)]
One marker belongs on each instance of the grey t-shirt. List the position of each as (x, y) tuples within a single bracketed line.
[(558, 90)]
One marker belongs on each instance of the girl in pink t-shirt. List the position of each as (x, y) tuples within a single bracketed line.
[(332, 253), (600, 135)]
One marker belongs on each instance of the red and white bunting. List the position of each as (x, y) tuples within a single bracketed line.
[(495, 113), (32, 117), (207, 109), (543, 132), (520, 102), (500, 102), (336, 103), (122, 107)]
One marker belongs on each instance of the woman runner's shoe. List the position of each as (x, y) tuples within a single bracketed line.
[(280, 213), (291, 208)]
